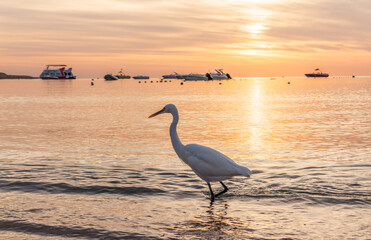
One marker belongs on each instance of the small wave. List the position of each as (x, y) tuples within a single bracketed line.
[(337, 166), (311, 196), (64, 231), (56, 188)]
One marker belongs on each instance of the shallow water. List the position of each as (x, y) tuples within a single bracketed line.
[(81, 161)]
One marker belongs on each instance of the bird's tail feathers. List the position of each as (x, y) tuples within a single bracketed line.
[(244, 171)]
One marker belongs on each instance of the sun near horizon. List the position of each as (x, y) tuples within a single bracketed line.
[(246, 38)]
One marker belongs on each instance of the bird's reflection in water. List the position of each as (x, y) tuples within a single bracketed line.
[(215, 223)]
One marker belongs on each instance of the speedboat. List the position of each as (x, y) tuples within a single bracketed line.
[(171, 76), (122, 76), (197, 77), (57, 72), (317, 73), (110, 77), (220, 75), (141, 77)]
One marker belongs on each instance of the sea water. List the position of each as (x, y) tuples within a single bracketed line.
[(83, 161)]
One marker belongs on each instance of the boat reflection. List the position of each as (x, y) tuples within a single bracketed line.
[(215, 223)]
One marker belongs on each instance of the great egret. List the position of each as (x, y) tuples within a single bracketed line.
[(209, 164)]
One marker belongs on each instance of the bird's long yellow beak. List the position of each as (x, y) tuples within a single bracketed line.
[(157, 113)]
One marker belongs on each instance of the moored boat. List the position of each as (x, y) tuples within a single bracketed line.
[(171, 76), (317, 73), (122, 76), (220, 75), (141, 77), (196, 77), (110, 77), (57, 72)]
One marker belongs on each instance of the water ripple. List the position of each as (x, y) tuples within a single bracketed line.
[(56, 188), (70, 232), (318, 196)]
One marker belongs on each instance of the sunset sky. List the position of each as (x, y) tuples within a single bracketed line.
[(154, 37)]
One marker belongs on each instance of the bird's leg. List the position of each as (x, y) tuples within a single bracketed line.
[(211, 193), (225, 189)]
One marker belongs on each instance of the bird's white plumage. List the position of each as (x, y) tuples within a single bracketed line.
[(209, 164)]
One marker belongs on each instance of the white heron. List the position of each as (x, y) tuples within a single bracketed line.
[(209, 164)]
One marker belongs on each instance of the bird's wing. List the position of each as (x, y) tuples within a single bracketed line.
[(206, 161)]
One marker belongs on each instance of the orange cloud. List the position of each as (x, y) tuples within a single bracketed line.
[(249, 38)]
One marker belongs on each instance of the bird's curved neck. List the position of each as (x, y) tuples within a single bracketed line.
[(177, 144)]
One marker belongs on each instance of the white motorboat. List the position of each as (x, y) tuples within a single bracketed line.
[(220, 75), (141, 77), (196, 77), (57, 72), (172, 76)]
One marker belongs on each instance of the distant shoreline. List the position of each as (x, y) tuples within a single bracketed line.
[(6, 76)]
